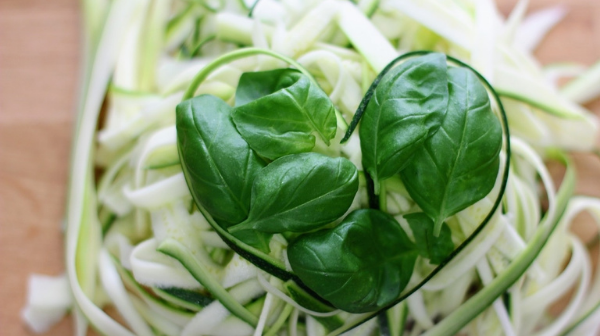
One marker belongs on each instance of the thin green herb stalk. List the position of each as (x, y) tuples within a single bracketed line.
[(484, 298), (382, 197), (233, 56), (176, 250)]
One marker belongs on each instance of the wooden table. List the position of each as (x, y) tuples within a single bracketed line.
[(39, 64)]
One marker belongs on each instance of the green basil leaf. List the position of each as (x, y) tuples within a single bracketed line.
[(255, 85), (459, 164), (436, 249), (359, 266), (407, 107), (299, 193), (220, 167), (280, 112)]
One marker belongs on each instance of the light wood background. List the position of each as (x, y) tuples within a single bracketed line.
[(39, 63)]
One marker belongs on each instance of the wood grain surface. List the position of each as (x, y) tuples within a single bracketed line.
[(39, 69)]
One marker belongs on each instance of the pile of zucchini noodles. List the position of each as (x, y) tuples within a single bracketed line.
[(141, 55)]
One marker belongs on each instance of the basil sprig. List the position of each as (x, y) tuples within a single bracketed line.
[(458, 165), (428, 123), (230, 180)]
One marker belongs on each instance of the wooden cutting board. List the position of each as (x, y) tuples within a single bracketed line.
[(39, 69)]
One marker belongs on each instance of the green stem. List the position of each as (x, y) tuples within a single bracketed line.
[(437, 227), (178, 251), (245, 225), (233, 56), (382, 197)]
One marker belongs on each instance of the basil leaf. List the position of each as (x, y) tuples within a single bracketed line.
[(280, 112), (359, 266), (436, 249), (299, 193), (407, 107), (459, 164), (219, 165), (255, 85)]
